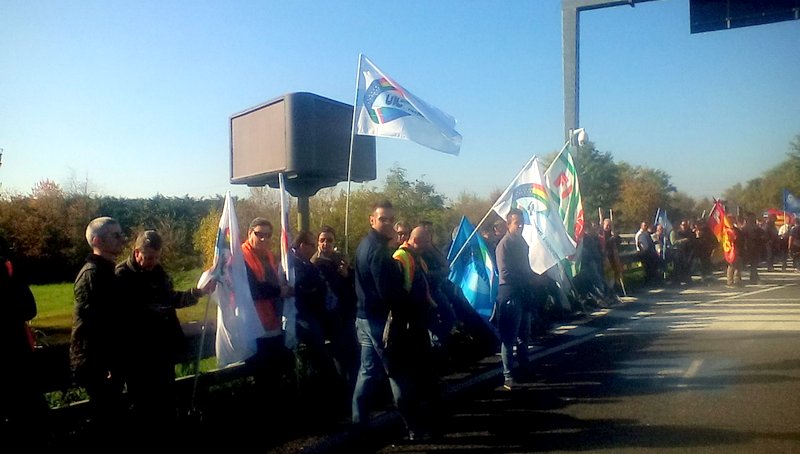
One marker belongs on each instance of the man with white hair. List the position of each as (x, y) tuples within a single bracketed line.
[(95, 337)]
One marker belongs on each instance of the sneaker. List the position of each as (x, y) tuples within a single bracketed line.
[(509, 384)]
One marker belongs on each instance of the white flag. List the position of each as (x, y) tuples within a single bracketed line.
[(543, 229), (384, 108), (238, 325)]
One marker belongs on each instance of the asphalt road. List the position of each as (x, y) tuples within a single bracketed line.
[(697, 369)]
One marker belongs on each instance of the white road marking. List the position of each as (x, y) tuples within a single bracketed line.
[(693, 368)]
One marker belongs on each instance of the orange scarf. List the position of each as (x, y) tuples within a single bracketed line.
[(265, 308), (256, 264)]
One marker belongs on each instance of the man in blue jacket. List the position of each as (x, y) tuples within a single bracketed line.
[(379, 288)]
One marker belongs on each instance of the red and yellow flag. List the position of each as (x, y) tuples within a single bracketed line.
[(723, 229)]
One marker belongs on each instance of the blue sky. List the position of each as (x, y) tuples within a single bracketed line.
[(135, 97)]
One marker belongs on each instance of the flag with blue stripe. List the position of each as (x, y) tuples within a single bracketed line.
[(474, 270)]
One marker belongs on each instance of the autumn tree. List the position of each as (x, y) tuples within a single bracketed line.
[(641, 193), (599, 178)]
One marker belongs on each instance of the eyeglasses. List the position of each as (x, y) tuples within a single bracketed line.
[(402, 233), (262, 235), (326, 240)]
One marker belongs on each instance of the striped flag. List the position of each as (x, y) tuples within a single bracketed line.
[(565, 191), (238, 325), (543, 229), (386, 109)]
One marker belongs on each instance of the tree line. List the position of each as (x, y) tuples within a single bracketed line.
[(44, 231)]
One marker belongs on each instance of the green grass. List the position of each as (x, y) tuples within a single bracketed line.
[(54, 302), (53, 320)]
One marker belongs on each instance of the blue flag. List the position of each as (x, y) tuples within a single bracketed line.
[(474, 270), (790, 202)]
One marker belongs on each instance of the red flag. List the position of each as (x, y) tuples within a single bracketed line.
[(716, 220), (723, 229), (729, 241)]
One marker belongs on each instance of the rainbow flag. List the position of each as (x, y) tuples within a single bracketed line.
[(384, 108), (544, 230)]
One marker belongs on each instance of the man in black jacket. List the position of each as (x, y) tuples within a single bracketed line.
[(379, 287), (96, 336), (155, 339)]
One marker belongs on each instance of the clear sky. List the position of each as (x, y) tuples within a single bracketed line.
[(136, 97)]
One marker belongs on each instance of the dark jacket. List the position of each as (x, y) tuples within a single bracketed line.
[(343, 288), (309, 291), (96, 333), (379, 282), (18, 307), (149, 302)]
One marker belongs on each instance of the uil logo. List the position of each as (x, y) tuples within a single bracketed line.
[(531, 198), (385, 102)]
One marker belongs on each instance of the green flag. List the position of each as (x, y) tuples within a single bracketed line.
[(561, 180)]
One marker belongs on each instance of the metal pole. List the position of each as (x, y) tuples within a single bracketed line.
[(570, 36), (303, 214)]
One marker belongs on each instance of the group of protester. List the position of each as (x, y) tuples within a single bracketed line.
[(751, 242), (382, 319), (357, 327)]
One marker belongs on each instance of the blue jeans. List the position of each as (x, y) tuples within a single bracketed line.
[(370, 337), (514, 322)]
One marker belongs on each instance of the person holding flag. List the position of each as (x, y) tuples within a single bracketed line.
[(267, 289), (150, 302), (732, 247), (514, 304), (646, 251)]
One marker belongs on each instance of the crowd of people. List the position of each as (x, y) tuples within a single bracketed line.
[(748, 243), (383, 322)]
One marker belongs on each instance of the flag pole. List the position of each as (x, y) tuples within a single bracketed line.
[(193, 403), (509, 188), (478, 225), (203, 329), (350, 164), (621, 283)]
